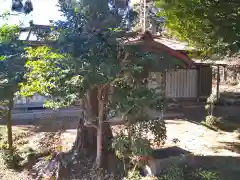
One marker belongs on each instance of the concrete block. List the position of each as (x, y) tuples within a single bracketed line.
[(165, 158)]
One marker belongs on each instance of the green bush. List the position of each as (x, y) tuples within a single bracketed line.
[(201, 174), (133, 175), (212, 121), (11, 158), (173, 173), (177, 173)]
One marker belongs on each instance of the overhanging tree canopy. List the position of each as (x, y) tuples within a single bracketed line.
[(211, 26)]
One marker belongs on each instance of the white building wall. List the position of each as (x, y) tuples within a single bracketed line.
[(36, 100), (181, 83)]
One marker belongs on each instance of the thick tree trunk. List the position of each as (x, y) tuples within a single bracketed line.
[(86, 142), (88, 138), (9, 124)]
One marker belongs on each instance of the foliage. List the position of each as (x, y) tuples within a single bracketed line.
[(186, 173), (212, 121), (90, 55), (173, 173), (14, 157), (135, 175), (12, 63), (176, 173), (8, 33), (11, 158), (212, 99), (206, 175), (209, 25), (134, 141), (11, 70), (153, 22)]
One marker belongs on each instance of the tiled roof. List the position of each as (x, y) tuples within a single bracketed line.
[(174, 44), (227, 61), (162, 44)]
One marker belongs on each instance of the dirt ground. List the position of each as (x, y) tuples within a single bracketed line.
[(186, 133), (200, 140)]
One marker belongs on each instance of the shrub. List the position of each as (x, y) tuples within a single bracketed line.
[(205, 175), (237, 131), (133, 175), (212, 121), (11, 158), (177, 173), (173, 173)]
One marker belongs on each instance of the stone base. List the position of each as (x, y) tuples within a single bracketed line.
[(165, 158), (155, 167)]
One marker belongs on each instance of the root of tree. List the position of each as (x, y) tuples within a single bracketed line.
[(80, 160)]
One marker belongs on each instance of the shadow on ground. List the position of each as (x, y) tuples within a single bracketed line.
[(229, 115), (229, 98), (230, 146), (48, 124), (226, 167)]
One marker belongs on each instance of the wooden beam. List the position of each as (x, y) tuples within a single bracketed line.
[(198, 82), (218, 81), (37, 43), (224, 74)]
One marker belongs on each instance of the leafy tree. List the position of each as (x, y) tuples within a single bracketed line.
[(211, 26), (153, 22), (90, 63), (11, 70)]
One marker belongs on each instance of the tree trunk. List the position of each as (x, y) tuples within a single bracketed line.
[(99, 159), (86, 142), (88, 138), (9, 124)]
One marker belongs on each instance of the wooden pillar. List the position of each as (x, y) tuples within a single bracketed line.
[(198, 82), (224, 73), (218, 81), (164, 84)]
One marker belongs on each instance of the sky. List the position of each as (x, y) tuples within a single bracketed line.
[(43, 11)]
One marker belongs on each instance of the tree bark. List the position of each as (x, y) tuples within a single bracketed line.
[(88, 138), (9, 124), (86, 142), (100, 135)]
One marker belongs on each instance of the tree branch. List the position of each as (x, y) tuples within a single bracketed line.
[(122, 120), (89, 124)]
